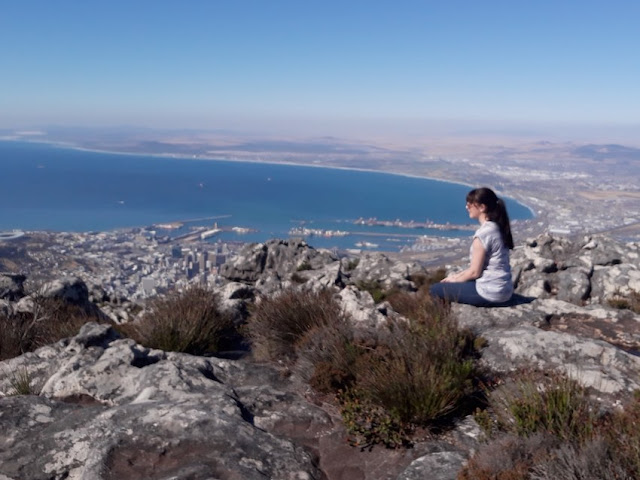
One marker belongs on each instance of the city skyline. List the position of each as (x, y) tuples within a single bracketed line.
[(568, 70)]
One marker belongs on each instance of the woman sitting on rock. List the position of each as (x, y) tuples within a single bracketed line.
[(487, 282)]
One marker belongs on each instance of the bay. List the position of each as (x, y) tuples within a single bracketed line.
[(48, 187)]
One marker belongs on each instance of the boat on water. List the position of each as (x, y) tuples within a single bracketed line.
[(366, 245)]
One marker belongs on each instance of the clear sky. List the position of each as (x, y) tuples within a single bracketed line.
[(313, 65)]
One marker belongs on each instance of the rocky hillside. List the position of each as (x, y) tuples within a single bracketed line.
[(109, 408)]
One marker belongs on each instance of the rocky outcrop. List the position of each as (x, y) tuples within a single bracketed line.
[(589, 270), (11, 286), (109, 408)]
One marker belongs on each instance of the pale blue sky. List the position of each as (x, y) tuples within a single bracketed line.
[(317, 65)]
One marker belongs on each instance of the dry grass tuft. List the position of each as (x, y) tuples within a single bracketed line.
[(548, 427), (51, 320), (278, 325), (188, 321)]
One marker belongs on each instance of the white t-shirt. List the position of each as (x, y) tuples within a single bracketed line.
[(495, 283)]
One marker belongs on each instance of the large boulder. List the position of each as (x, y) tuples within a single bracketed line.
[(275, 261), (71, 290), (380, 268), (11, 286), (589, 270)]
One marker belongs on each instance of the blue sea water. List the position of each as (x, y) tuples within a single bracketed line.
[(47, 187)]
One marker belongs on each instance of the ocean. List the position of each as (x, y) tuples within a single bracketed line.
[(48, 187)]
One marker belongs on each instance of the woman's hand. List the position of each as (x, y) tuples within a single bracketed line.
[(475, 269)]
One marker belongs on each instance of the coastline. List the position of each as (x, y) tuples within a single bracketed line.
[(205, 158)]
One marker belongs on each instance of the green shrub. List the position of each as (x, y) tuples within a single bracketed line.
[(595, 460), (327, 357), (551, 403), (369, 424), (278, 325), (189, 321), (304, 266), (544, 427), (375, 288), (352, 264)]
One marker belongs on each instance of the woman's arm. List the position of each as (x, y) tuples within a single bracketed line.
[(475, 268)]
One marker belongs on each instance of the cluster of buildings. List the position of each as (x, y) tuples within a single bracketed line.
[(126, 264)]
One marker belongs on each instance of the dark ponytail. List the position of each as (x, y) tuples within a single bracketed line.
[(496, 211)]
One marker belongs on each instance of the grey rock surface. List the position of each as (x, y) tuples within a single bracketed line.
[(109, 408), (11, 286)]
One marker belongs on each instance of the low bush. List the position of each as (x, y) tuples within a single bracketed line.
[(304, 266), (278, 325), (413, 375), (50, 320), (622, 431), (419, 375), (545, 427), (626, 302), (595, 460), (188, 321), (546, 403), (375, 288), (509, 457), (352, 264)]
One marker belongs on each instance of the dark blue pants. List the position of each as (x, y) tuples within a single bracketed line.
[(462, 292)]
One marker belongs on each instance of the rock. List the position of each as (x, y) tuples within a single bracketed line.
[(573, 285), (360, 308), (247, 266), (112, 409), (11, 286), (72, 290), (6, 308), (274, 260), (235, 298), (585, 271), (619, 279), (534, 335), (378, 267), (435, 466)]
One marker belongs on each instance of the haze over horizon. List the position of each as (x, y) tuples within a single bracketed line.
[(556, 70)]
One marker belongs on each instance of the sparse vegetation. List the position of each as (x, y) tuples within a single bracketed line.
[(189, 321), (304, 266), (545, 427), (278, 325), (375, 288), (412, 376), (22, 383), (297, 278), (626, 302), (552, 403), (352, 264), (49, 320)]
